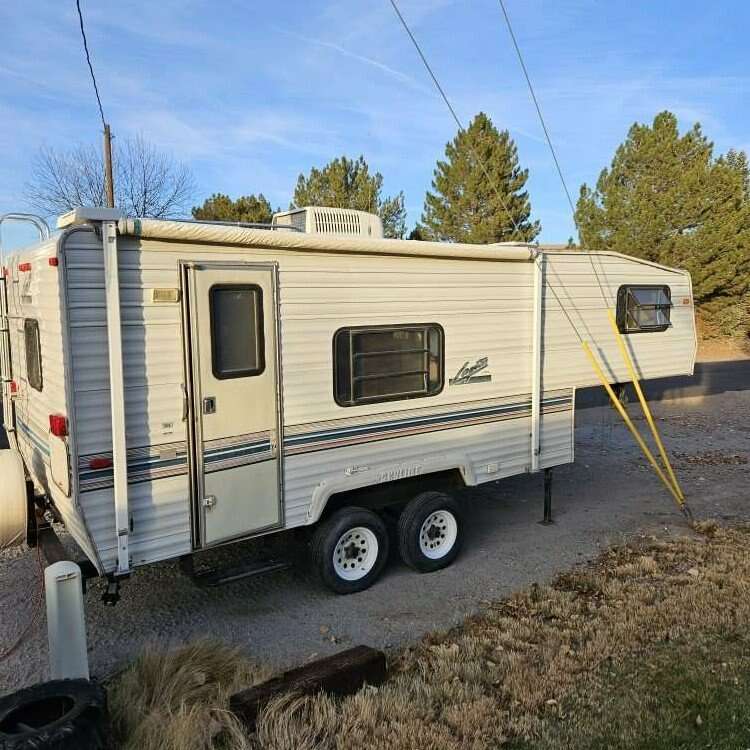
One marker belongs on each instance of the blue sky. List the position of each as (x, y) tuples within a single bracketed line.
[(250, 94)]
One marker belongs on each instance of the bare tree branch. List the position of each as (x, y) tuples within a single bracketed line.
[(148, 182)]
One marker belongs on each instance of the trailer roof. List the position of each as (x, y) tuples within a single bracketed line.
[(195, 232)]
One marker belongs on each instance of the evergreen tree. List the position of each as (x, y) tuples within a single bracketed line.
[(347, 183), (248, 209), (666, 198), (466, 206)]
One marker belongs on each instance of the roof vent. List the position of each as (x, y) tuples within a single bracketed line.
[(339, 222)]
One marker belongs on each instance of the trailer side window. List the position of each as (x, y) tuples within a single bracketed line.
[(643, 308), (33, 353), (237, 346), (386, 363)]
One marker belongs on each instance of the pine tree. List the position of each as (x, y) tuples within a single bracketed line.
[(466, 206), (666, 198), (249, 209), (347, 183)]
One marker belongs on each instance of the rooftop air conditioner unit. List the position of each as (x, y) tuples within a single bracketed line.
[(340, 222)]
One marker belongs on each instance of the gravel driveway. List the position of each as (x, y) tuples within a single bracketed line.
[(286, 618)]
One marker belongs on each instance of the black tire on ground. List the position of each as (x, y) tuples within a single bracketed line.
[(360, 557), (56, 715), (434, 547)]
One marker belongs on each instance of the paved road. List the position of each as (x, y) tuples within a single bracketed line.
[(709, 378)]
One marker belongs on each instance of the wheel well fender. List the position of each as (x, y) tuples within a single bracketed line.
[(382, 486)]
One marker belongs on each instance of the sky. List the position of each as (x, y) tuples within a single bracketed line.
[(250, 94)]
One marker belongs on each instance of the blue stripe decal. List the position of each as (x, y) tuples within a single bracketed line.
[(237, 451), (426, 421), (33, 437)]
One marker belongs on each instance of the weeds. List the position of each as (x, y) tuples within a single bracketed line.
[(178, 700)]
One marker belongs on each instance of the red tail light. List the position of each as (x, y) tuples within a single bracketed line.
[(13, 387), (24, 266), (53, 261), (100, 462), (58, 425)]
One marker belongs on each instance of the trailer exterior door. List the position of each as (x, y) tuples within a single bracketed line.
[(232, 358)]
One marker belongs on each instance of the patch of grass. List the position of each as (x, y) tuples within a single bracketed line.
[(679, 695), (179, 699)]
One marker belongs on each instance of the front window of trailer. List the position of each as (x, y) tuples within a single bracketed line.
[(644, 308)]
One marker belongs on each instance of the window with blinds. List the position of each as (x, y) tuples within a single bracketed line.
[(387, 363)]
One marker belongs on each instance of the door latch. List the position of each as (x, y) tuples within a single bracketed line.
[(209, 502), (209, 405)]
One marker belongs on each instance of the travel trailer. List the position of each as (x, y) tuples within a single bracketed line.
[(171, 386)]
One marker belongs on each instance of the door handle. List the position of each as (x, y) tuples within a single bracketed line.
[(209, 405)]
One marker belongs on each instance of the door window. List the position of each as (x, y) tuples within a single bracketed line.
[(237, 346)]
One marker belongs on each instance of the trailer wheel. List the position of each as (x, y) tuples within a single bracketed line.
[(429, 532), (60, 714), (350, 550)]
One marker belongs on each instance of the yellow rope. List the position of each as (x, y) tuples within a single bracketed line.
[(634, 431), (644, 405)]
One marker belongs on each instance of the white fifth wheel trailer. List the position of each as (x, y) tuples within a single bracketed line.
[(172, 386)]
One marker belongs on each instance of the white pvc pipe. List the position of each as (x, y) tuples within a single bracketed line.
[(66, 626)]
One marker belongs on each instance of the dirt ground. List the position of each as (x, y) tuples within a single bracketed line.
[(723, 350), (607, 496)]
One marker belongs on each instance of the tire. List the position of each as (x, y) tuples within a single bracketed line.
[(350, 550), (57, 715), (429, 532)]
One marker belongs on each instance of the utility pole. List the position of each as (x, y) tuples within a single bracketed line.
[(108, 179)]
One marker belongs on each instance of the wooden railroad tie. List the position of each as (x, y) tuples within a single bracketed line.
[(341, 674)]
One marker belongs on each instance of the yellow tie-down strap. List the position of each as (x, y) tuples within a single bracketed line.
[(669, 479)]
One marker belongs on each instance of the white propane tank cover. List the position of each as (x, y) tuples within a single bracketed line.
[(66, 626), (13, 505)]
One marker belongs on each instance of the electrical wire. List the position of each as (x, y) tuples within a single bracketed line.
[(478, 160), (88, 60), (461, 128), (536, 104), (548, 138)]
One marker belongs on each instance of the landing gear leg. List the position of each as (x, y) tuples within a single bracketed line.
[(547, 520)]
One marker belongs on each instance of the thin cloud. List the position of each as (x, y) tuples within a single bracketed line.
[(392, 72)]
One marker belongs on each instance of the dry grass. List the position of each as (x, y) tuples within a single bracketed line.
[(549, 657), (505, 674), (179, 700)]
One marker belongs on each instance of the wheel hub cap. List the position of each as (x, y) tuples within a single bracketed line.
[(438, 534), (355, 553)]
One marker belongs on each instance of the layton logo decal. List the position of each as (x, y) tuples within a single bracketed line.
[(471, 373)]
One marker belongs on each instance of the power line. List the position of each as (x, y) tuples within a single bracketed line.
[(88, 60), (538, 108), (461, 128), (547, 135)]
